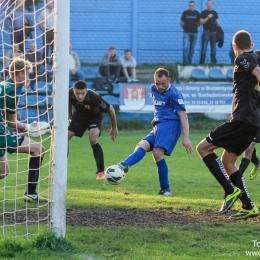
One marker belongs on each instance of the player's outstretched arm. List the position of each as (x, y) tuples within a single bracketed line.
[(14, 123), (185, 131), (35, 129), (114, 131)]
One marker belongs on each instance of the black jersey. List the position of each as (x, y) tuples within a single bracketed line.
[(246, 90), (92, 106), (211, 23), (190, 19)]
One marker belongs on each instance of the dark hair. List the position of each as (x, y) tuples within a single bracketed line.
[(127, 50), (161, 72), (191, 2), (111, 48), (80, 85), (242, 39)]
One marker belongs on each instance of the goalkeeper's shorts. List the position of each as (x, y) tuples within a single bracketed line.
[(257, 137), (9, 141)]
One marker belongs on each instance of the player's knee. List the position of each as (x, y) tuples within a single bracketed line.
[(42, 150), (249, 151), (38, 150), (146, 145), (2, 176), (158, 154), (93, 140)]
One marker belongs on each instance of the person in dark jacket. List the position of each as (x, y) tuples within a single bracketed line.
[(110, 65)]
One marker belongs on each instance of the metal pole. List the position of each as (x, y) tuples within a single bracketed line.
[(60, 125)]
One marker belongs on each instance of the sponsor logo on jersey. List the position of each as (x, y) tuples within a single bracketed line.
[(180, 101), (159, 103), (103, 104), (245, 64)]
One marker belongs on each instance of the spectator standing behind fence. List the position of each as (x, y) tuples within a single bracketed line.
[(37, 73), (16, 20), (74, 66), (209, 19), (46, 23), (190, 20), (110, 65), (128, 64), (232, 54), (11, 54)]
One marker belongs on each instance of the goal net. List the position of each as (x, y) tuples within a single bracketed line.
[(27, 31)]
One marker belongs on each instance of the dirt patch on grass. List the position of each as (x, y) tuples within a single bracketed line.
[(149, 218), (125, 217)]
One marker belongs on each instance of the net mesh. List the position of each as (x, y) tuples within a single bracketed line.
[(29, 35)]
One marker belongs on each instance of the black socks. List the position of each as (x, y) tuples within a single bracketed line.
[(216, 167), (99, 157), (33, 174)]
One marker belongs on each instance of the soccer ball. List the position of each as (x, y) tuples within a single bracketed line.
[(114, 174)]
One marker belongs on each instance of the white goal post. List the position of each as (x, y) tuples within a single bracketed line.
[(61, 68)]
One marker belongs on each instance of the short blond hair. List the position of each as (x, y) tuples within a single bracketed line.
[(18, 65)]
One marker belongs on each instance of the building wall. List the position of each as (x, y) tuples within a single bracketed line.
[(150, 28)]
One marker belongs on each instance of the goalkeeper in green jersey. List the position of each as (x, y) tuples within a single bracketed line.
[(14, 141)]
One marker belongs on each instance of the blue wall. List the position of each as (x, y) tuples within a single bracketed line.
[(151, 28)]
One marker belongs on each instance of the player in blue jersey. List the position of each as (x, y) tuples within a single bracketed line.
[(237, 134), (170, 119)]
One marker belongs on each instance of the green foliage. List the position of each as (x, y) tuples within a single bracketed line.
[(134, 124), (196, 122), (203, 122), (10, 246), (22, 248), (48, 240)]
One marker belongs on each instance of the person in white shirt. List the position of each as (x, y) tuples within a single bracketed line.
[(128, 64), (46, 24), (74, 66)]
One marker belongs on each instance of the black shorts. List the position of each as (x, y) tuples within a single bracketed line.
[(233, 136), (257, 137), (78, 125)]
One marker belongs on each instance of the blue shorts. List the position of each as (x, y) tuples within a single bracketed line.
[(165, 135)]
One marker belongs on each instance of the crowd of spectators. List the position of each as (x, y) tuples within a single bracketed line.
[(112, 67), (17, 21)]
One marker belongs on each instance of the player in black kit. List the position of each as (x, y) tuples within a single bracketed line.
[(88, 114), (236, 134)]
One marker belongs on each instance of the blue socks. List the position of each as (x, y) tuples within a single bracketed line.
[(135, 157), (162, 167), (163, 174)]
